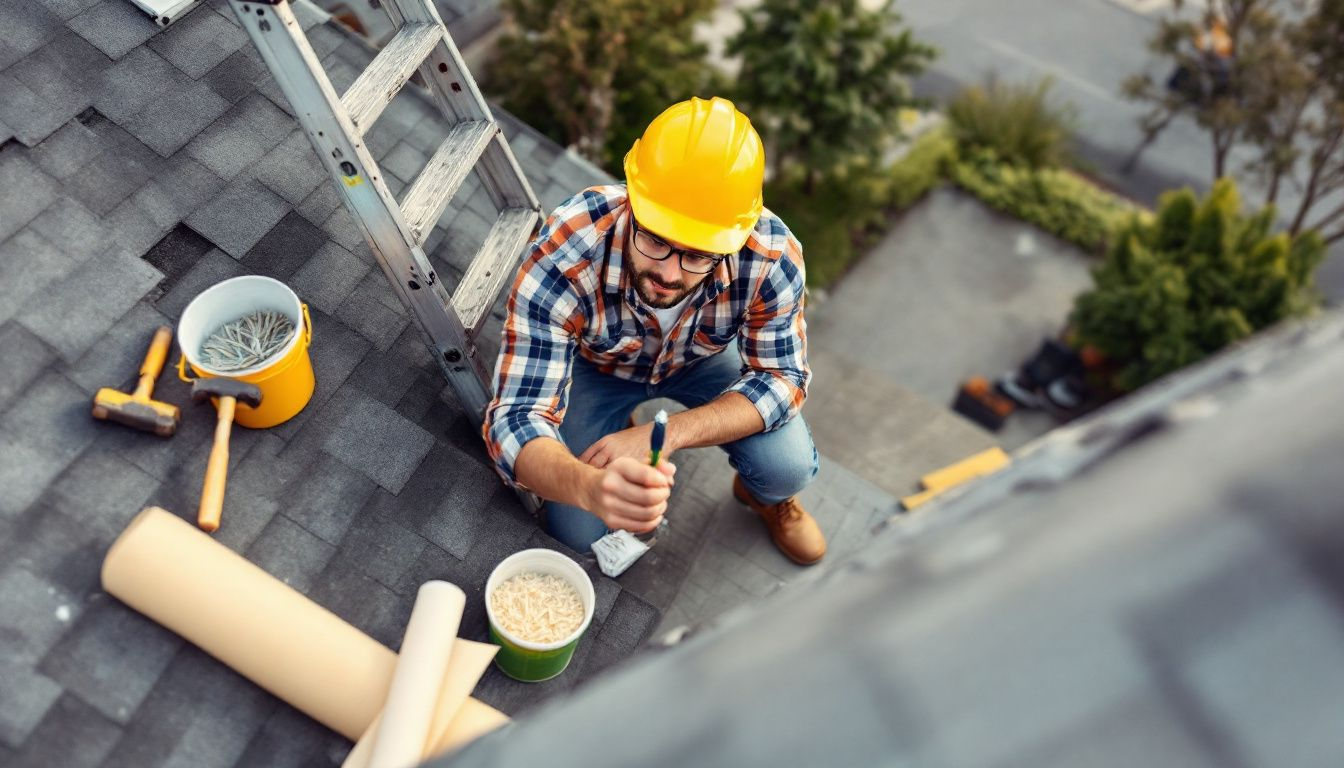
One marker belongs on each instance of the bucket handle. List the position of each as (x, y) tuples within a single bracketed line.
[(182, 369), (307, 342)]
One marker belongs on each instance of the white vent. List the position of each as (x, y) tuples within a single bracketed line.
[(165, 12)]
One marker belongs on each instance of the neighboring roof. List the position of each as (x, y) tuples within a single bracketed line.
[(1159, 583), (138, 166)]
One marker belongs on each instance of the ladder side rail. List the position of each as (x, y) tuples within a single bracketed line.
[(456, 93), (279, 38)]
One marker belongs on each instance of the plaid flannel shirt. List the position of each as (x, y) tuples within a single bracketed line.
[(572, 296)]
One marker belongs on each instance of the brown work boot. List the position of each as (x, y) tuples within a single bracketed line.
[(795, 532)]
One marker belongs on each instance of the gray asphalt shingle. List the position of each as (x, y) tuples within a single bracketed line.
[(25, 356), (25, 191), (366, 311), (28, 696), (123, 167), (328, 277), (213, 267), (379, 442), (71, 735), (380, 548), (288, 246), (320, 204), (177, 252), (200, 713), (112, 658), (236, 76), (167, 123), (291, 739), (292, 169), (72, 228), (114, 27), (179, 188), (115, 360), (26, 29), (60, 77), (241, 136), (289, 552), (67, 150), (68, 9), (97, 293), (36, 614), (381, 376), (326, 497), (28, 264), (239, 216), (137, 79), (102, 492), (199, 41), (134, 229)]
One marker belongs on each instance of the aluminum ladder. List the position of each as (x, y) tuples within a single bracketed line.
[(397, 230)]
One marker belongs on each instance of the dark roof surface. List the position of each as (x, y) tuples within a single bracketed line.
[(1157, 584), (139, 166)]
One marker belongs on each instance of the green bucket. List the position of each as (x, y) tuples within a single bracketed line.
[(535, 662)]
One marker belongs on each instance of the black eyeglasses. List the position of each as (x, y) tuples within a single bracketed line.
[(654, 247)]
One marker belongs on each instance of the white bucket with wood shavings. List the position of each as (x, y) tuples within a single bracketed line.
[(285, 378)]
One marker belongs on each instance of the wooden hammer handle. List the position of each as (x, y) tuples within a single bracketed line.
[(154, 359), (217, 470)]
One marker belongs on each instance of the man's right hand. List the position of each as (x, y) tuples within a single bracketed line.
[(631, 495)]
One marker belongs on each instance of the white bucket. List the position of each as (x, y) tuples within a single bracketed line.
[(285, 378), (228, 301)]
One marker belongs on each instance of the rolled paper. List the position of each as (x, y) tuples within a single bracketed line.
[(468, 662), (473, 720), (264, 629), (408, 712)]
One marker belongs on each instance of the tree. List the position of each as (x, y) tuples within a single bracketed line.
[(1279, 92), (825, 81), (1198, 277), (592, 75)]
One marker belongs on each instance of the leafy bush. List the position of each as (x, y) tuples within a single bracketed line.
[(853, 204), (1054, 199), (592, 75), (825, 80), (922, 167), (1017, 122), (1197, 278)]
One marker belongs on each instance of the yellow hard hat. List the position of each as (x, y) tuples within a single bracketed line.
[(695, 176)]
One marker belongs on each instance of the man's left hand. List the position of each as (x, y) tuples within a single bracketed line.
[(632, 442)]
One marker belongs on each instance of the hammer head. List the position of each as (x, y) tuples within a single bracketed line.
[(140, 413), (243, 392)]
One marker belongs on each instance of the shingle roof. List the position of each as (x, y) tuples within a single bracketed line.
[(139, 166)]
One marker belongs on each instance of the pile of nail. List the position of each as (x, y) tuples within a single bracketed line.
[(246, 342)]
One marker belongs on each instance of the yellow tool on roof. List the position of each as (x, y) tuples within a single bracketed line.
[(953, 475)]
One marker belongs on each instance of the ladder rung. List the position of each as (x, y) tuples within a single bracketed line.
[(493, 265), (369, 95), (424, 202)]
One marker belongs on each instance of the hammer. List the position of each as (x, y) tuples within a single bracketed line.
[(137, 409), (229, 392)]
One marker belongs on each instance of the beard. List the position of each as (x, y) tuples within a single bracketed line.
[(644, 282)]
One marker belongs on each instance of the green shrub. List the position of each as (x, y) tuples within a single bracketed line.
[(921, 168), (1017, 122), (853, 203), (1198, 277), (826, 222), (1054, 199)]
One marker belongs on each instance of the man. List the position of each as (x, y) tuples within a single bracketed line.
[(637, 291)]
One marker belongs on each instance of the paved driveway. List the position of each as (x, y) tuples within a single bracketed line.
[(953, 290)]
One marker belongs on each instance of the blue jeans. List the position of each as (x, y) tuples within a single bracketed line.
[(773, 465)]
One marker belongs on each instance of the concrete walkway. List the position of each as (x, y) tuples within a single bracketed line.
[(953, 290)]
